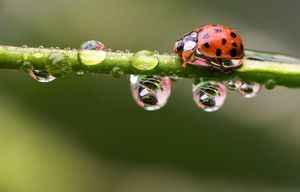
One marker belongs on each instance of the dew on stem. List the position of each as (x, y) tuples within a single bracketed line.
[(150, 92), (144, 60), (92, 53)]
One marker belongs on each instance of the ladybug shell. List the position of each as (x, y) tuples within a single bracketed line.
[(218, 41)]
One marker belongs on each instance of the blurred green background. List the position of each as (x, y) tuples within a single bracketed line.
[(86, 133)]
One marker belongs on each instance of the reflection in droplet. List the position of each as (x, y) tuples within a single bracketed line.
[(150, 92), (41, 76), (209, 95), (92, 45), (233, 84), (249, 90)]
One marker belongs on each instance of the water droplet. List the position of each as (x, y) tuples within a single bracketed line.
[(270, 84), (117, 72), (92, 45), (150, 92), (92, 57), (249, 90), (41, 47), (233, 84), (92, 53), (144, 60), (24, 46), (59, 64), (80, 73), (209, 95), (41, 76)]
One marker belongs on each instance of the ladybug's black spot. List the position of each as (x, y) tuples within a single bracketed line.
[(233, 35), (218, 52), (234, 44), (224, 41), (206, 36), (206, 45), (233, 52)]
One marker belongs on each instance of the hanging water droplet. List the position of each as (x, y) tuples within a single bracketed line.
[(209, 95), (41, 76), (270, 84), (150, 92), (233, 84), (249, 90)]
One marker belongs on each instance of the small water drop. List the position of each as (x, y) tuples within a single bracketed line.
[(144, 60), (233, 84), (117, 72), (24, 46), (80, 73), (249, 90), (150, 92), (41, 47), (41, 76), (270, 84), (209, 95)]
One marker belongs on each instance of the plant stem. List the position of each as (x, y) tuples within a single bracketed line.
[(257, 66)]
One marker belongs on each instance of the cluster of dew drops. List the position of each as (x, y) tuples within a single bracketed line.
[(153, 92)]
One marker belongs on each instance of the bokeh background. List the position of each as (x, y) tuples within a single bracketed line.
[(86, 133)]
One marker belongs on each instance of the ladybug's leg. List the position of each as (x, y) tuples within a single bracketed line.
[(232, 64), (187, 57)]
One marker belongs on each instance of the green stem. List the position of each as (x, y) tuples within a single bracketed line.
[(257, 66)]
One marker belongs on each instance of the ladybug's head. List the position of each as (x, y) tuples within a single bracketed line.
[(187, 43)]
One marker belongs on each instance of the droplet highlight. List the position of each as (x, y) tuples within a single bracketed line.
[(150, 92), (249, 90), (209, 95)]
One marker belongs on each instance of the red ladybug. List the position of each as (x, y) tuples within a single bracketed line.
[(211, 46)]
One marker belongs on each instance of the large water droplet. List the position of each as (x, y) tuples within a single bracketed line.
[(209, 95), (249, 90), (41, 76), (92, 53), (144, 60), (150, 92)]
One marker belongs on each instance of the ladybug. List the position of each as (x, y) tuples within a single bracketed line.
[(211, 46)]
